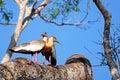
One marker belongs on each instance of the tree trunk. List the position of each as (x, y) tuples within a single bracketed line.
[(77, 67), (108, 53)]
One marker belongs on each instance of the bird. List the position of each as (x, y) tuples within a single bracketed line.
[(34, 47), (45, 36), (49, 53)]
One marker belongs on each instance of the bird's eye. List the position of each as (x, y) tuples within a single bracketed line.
[(55, 38)]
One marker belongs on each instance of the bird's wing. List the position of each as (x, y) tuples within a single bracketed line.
[(50, 52), (32, 46), (53, 51), (53, 56)]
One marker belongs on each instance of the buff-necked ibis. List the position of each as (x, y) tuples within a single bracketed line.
[(49, 53), (34, 47)]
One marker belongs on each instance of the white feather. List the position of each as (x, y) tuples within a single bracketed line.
[(32, 46)]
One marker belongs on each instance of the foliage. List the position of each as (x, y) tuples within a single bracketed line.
[(1, 2), (4, 13), (61, 8), (30, 1)]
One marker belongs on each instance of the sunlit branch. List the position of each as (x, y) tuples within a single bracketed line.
[(38, 9), (19, 2)]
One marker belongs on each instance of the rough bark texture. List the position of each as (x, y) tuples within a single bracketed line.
[(25, 15), (77, 67), (108, 53)]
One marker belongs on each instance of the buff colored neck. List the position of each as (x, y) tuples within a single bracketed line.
[(49, 42)]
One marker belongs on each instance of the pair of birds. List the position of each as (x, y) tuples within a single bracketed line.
[(45, 46)]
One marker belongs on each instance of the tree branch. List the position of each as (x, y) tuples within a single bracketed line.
[(7, 23), (77, 67), (69, 24), (107, 50), (19, 2), (38, 9)]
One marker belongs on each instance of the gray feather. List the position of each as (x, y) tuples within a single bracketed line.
[(30, 47)]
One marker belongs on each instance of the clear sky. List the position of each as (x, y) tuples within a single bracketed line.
[(74, 39)]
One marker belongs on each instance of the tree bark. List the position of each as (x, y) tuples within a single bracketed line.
[(108, 53), (77, 67)]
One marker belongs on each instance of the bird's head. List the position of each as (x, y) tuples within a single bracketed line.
[(55, 40), (44, 34)]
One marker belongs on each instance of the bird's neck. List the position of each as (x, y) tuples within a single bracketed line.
[(49, 43), (45, 39)]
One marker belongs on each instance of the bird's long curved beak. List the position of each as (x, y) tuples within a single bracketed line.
[(59, 42), (55, 40)]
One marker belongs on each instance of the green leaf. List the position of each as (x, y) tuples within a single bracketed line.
[(1, 2), (30, 1), (44, 15), (76, 8), (6, 16), (66, 10), (57, 11), (52, 16)]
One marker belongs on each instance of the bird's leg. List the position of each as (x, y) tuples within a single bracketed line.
[(33, 58), (36, 54), (50, 61), (44, 59)]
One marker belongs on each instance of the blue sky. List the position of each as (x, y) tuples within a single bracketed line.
[(74, 39)]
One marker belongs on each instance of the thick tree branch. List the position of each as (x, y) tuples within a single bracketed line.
[(107, 50), (19, 2), (77, 67), (38, 9)]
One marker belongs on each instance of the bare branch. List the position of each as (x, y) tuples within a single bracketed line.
[(69, 24), (43, 4), (115, 24), (93, 54), (108, 53), (7, 23), (98, 65), (19, 2), (85, 16)]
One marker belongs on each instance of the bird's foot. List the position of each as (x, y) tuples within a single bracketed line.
[(37, 62), (50, 65), (44, 62)]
